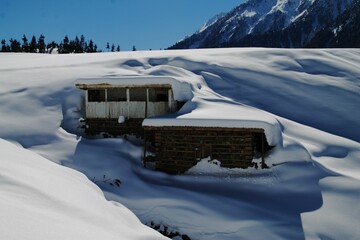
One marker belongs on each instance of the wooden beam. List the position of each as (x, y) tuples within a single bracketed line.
[(208, 129), (145, 143), (108, 86), (128, 102), (147, 102), (262, 152), (86, 103), (170, 100)]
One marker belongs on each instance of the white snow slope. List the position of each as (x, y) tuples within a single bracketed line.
[(311, 190), (42, 200)]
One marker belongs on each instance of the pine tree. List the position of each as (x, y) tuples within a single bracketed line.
[(113, 48), (82, 43), (33, 45), (79, 44), (90, 48), (64, 46), (4, 48), (25, 46), (85, 47), (118, 48), (72, 46), (41, 44), (108, 46), (14, 45), (134, 48)]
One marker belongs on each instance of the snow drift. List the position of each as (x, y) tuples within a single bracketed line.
[(312, 96), (41, 200)]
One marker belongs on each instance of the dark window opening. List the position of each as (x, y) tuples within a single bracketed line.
[(260, 144), (138, 94), (161, 97), (96, 95), (116, 95), (158, 95)]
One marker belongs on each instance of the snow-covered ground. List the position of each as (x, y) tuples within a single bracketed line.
[(311, 190), (42, 200)]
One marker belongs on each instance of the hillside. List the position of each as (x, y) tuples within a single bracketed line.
[(344, 32), (273, 23), (42, 200), (313, 179)]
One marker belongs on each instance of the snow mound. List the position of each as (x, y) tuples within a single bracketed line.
[(42, 200), (212, 167), (206, 166)]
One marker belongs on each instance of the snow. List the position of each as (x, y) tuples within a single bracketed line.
[(306, 100), (210, 22), (247, 13), (121, 119), (181, 89), (211, 167), (42, 200), (218, 112)]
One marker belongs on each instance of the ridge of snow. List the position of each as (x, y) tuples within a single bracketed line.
[(42, 200), (211, 21)]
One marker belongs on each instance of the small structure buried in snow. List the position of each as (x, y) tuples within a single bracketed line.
[(176, 149), (117, 106), (174, 140)]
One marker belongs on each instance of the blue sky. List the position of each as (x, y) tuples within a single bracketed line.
[(147, 24)]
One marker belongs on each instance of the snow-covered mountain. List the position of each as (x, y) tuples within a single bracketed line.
[(268, 23), (344, 32)]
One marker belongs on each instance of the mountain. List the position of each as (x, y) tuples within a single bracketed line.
[(345, 32), (268, 23), (205, 26)]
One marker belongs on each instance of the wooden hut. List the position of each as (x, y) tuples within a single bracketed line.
[(176, 149), (117, 106)]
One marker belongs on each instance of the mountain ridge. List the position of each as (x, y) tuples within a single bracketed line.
[(268, 23)]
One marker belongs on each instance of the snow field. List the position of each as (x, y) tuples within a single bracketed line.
[(311, 96), (42, 200)]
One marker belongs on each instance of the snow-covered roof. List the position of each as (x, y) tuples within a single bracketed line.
[(203, 108), (181, 89), (220, 113)]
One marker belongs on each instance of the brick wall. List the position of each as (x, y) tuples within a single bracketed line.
[(179, 148)]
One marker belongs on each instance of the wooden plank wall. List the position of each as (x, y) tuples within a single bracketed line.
[(127, 109), (179, 148)]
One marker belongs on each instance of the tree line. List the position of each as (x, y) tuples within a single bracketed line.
[(76, 45)]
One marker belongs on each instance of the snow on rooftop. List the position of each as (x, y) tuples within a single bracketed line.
[(220, 113), (181, 89)]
